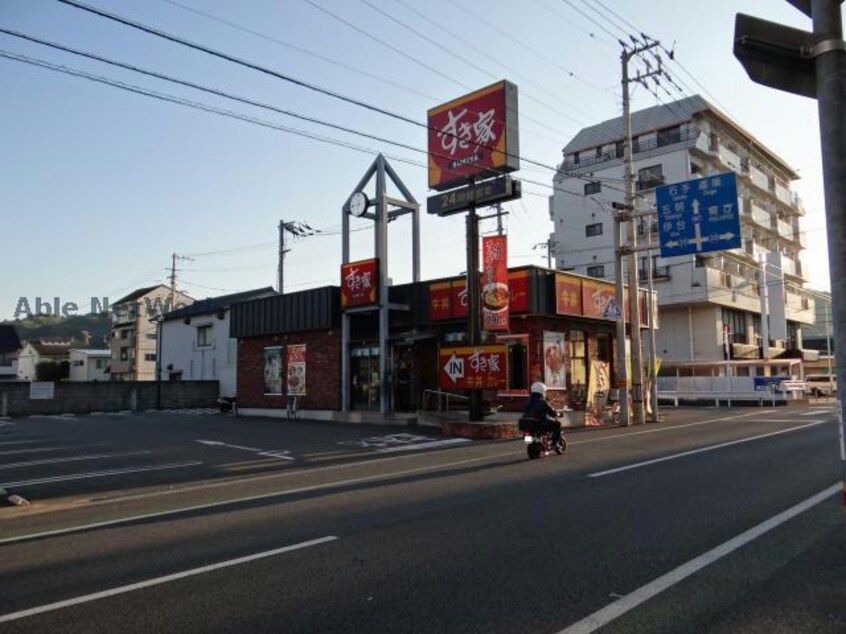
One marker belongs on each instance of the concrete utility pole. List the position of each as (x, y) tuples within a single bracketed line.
[(547, 246), (173, 269), (631, 247)]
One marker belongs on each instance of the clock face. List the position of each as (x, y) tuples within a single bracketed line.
[(358, 204)]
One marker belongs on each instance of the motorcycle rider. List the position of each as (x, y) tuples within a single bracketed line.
[(538, 416)]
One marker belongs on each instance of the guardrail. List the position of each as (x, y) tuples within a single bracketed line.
[(442, 397)]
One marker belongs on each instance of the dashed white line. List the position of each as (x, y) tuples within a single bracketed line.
[(644, 593), (13, 616), (32, 463)]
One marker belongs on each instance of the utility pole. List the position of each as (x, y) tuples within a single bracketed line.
[(547, 246), (173, 269), (297, 230), (631, 247)]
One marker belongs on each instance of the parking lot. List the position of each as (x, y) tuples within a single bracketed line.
[(46, 458)]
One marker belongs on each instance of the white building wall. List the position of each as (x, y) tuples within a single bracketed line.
[(84, 366), (27, 360), (181, 352)]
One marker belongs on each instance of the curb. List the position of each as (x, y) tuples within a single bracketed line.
[(12, 499)]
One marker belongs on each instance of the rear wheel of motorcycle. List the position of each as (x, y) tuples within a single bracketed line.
[(533, 450), (562, 446)]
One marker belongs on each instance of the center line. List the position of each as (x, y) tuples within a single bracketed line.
[(637, 465), (13, 616)]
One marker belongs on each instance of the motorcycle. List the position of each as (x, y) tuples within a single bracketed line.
[(539, 444)]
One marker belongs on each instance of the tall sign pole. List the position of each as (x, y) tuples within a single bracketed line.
[(812, 64)]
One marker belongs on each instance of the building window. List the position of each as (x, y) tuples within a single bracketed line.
[(77, 364), (597, 270), (593, 188), (204, 336), (578, 359), (669, 136), (151, 335), (124, 354), (125, 333), (649, 177), (100, 364), (734, 325), (593, 230), (150, 357)]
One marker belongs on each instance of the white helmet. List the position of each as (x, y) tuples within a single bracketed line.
[(538, 388)]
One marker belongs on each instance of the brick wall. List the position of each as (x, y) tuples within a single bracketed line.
[(107, 396), (323, 370)]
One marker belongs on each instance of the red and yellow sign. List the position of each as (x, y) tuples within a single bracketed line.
[(568, 295), (473, 368), (474, 135), (360, 283), (495, 293), (599, 300)]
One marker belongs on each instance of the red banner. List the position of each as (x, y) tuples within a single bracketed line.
[(360, 283), (473, 368), (568, 295), (473, 135), (495, 295)]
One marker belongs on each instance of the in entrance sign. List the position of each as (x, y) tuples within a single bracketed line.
[(473, 368), (699, 215)]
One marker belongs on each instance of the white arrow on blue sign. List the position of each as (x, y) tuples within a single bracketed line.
[(698, 215)]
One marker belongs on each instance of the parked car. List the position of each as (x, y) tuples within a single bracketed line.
[(820, 385)]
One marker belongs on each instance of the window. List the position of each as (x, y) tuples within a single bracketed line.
[(204, 336), (734, 325), (151, 335), (593, 188), (100, 364), (150, 357), (593, 230), (668, 136), (659, 268), (125, 333), (597, 270), (578, 358), (651, 176), (124, 354), (77, 363)]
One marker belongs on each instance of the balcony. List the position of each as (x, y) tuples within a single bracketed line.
[(589, 159)]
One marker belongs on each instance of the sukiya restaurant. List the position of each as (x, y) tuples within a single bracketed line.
[(557, 323)]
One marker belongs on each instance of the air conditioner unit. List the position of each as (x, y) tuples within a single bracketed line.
[(779, 343)]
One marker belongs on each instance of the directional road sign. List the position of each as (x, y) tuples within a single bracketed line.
[(698, 215)]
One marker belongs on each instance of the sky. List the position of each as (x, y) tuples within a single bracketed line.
[(99, 186)]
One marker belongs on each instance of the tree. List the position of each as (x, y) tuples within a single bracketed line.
[(52, 371)]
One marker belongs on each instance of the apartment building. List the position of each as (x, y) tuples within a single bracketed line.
[(711, 304), (135, 331)]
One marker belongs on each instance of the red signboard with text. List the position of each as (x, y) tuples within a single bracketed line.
[(473, 368), (599, 300), (518, 291), (360, 283), (495, 293), (474, 136), (568, 295)]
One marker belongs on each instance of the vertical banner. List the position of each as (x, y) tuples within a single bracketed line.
[(495, 283), (599, 384), (553, 360), (273, 370), (295, 360)]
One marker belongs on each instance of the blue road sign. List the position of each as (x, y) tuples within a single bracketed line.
[(698, 215)]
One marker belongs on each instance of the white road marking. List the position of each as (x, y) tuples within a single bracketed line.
[(282, 454), (817, 412), (637, 465), (13, 616), (17, 452), (615, 610), (424, 445), (99, 474), (200, 507), (33, 463), (17, 442)]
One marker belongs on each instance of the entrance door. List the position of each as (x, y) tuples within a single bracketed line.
[(364, 378)]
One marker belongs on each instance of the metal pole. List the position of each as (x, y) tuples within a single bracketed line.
[(831, 102), (345, 318), (280, 265), (653, 357), (475, 403), (634, 311), (828, 347), (622, 369), (382, 255), (159, 334), (765, 309)]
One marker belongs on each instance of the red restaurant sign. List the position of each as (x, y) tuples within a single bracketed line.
[(474, 135), (473, 368), (360, 283), (495, 294)]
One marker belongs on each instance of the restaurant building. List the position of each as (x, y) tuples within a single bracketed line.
[(561, 330)]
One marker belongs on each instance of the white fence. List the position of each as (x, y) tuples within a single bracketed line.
[(722, 389)]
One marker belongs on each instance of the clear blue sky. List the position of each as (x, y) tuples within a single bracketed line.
[(99, 186)]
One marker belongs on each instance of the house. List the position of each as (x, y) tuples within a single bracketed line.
[(10, 347), (195, 342), (133, 336), (711, 304), (89, 365), (43, 351)]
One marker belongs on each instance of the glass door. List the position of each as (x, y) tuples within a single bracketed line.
[(364, 378)]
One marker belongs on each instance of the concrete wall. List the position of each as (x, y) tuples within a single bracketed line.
[(82, 398)]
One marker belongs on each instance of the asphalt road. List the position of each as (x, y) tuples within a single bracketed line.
[(690, 525)]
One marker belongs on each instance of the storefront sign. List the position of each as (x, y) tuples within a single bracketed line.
[(518, 291), (488, 192), (568, 295), (273, 370), (599, 300), (495, 295), (448, 300), (474, 136), (41, 390), (473, 368), (360, 283), (554, 374), (295, 360)]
